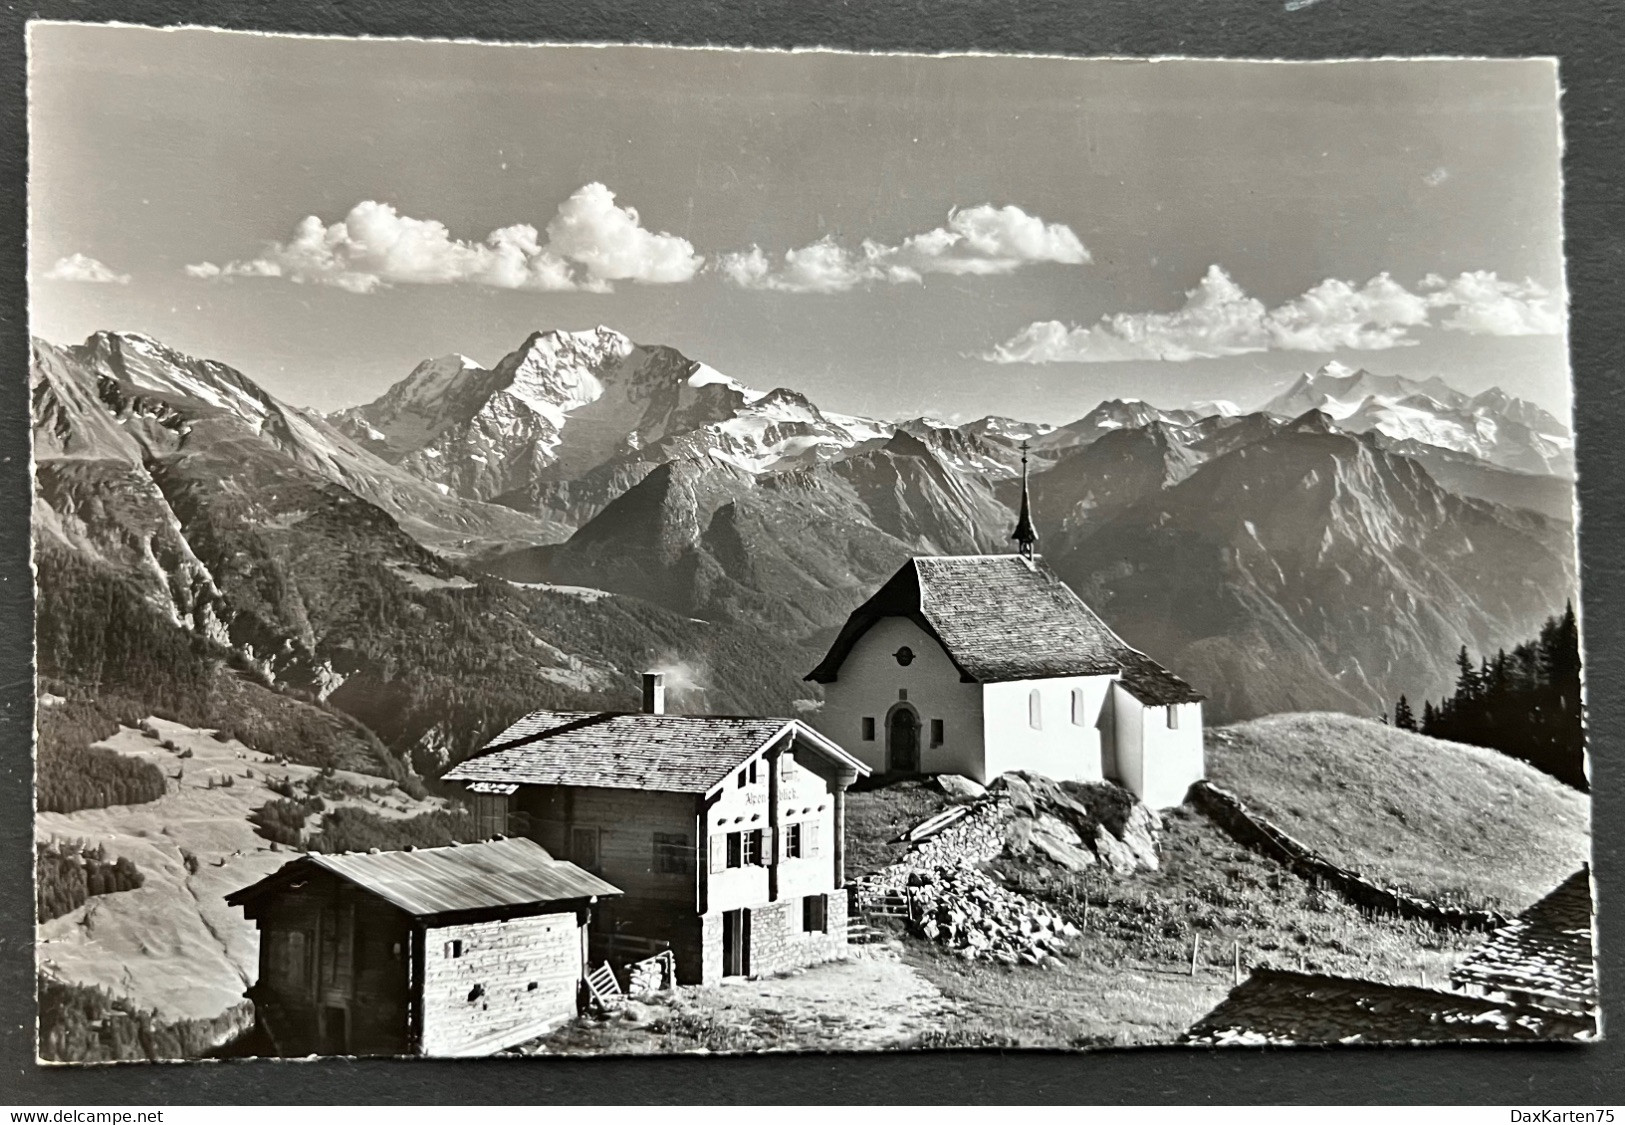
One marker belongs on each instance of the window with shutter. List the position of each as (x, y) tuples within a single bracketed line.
[(736, 849), (793, 841)]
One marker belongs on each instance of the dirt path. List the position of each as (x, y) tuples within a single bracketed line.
[(869, 1002)]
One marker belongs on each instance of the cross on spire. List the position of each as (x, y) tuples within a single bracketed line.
[(1026, 538)]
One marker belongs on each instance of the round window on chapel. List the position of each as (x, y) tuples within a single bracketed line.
[(905, 656)]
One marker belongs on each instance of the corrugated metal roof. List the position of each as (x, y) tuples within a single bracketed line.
[(1005, 617), (1546, 953), (433, 881), (615, 750), (1278, 1007)]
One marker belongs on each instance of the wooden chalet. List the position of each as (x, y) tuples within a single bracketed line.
[(438, 951), (726, 834)]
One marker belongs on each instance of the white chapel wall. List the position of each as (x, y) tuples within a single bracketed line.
[(1064, 746), (1129, 720), (868, 685), (1172, 757)]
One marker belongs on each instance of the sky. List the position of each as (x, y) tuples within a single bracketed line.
[(891, 235)]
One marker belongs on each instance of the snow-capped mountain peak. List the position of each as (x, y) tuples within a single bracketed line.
[(1492, 425), (567, 403)]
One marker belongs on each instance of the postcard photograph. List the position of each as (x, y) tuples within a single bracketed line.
[(552, 550)]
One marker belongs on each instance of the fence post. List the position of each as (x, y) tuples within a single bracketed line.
[(1196, 948), (1238, 961)]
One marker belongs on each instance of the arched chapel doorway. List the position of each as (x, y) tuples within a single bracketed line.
[(903, 740)]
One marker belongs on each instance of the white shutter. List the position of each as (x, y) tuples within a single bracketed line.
[(768, 844), (718, 847), (809, 839)]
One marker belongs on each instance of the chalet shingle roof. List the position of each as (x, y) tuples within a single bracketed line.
[(1002, 618), (1277, 1007), (632, 750), (1544, 956), (431, 881)]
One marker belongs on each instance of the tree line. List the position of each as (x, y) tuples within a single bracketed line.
[(85, 1023), (68, 874), (71, 774), (1525, 703)]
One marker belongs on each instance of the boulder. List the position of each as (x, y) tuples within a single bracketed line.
[(1116, 855), (960, 790), (1060, 843), (1018, 791)]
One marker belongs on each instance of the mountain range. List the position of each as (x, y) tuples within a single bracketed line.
[(480, 541), (1491, 425)]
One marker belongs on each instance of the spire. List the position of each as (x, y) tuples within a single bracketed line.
[(1024, 535)]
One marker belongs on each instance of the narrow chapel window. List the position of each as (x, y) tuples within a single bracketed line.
[(1078, 709), (868, 728), (936, 732), (1035, 710), (1173, 716)]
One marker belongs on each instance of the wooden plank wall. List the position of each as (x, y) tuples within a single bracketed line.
[(513, 979)]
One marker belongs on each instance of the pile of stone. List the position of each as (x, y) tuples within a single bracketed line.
[(980, 919), (946, 895)]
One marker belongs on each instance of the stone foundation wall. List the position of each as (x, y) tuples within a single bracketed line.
[(777, 941)]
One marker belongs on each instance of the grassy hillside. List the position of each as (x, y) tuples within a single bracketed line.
[(1444, 819), (1129, 980), (171, 948)]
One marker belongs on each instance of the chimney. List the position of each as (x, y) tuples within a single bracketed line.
[(654, 693)]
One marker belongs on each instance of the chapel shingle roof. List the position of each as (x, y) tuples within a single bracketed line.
[(1002, 618), (430, 881), (1546, 955), (1278, 1007), (631, 750)]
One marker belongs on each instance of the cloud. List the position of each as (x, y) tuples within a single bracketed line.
[(82, 267), (1218, 318), (823, 267), (590, 242), (975, 240), (1482, 304)]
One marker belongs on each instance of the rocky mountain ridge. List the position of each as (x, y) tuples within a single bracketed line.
[(659, 480), (1492, 425)]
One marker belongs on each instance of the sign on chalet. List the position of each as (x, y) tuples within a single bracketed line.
[(439, 951), (983, 664), (725, 834)]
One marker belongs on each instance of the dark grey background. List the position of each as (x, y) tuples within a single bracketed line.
[(1586, 37)]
